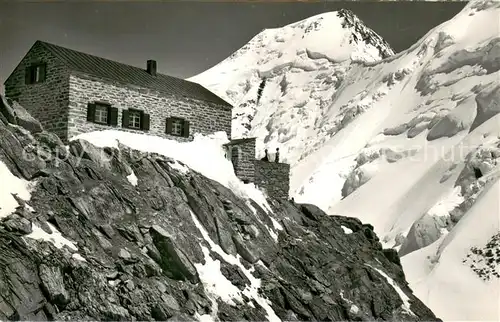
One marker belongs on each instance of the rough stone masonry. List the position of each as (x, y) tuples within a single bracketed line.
[(204, 117), (242, 154), (48, 101), (273, 177)]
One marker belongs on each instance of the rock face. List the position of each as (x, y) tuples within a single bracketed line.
[(141, 252)]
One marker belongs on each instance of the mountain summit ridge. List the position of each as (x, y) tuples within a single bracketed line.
[(308, 44), (368, 35), (348, 20)]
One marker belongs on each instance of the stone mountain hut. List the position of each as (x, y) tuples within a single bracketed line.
[(71, 92)]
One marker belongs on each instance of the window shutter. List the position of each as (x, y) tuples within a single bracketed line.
[(27, 76), (125, 118), (185, 129), (168, 128), (144, 121), (43, 72), (90, 112), (112, 116)]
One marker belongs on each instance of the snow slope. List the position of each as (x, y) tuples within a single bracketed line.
[(398, 142), (296, 63), (11, 185), (447, 272)]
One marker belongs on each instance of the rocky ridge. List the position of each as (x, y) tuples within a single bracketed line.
[(140, 252), (362, 33)]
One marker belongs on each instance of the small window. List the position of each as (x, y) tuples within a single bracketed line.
[(134, 119), (101, 114), (35, 74), (177, 127)]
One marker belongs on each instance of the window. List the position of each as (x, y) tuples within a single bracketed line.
[(36, 73), (177, 126), (101, 114), (134, 119)]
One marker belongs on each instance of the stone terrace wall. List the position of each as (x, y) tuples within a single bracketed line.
[(244, 163), (204, 117), (273, 177), (47, 101)]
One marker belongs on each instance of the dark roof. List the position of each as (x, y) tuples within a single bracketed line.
[(239, 141), (108, 69)]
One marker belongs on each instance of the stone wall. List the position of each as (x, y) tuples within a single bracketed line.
[(46, 101), (243, 160), (273, 177), (204, 117)]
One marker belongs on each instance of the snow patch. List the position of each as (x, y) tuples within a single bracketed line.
[(132, 179), (55, 238), (354, 309), (78, 257), (402, 295), (179, 167), (214, 281), (31, 209), (251, 291), (346, 230), (11, 185), (276, 224)]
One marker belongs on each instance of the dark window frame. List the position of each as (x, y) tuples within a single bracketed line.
[(133, 111), (180, 122), (108, 112), (144, 119), (31, 73), (112, 113), (184, 126)]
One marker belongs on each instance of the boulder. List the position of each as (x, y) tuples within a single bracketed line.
[(7, 111), (53, 284), (14, 113), (24, 119)]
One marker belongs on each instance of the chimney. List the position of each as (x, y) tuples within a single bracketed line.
[(151, 67)]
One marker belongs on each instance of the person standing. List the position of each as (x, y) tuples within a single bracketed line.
[(266, 157)]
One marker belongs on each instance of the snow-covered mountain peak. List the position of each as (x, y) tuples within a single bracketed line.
[(335, 35), (338, 35), (314, 43)]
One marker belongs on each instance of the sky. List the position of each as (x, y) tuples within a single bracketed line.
[(186, 38)]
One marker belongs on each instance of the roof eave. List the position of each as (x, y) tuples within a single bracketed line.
[(80, 73), (31, 48)]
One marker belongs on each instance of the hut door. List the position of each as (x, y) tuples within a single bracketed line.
[(234, 157)]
